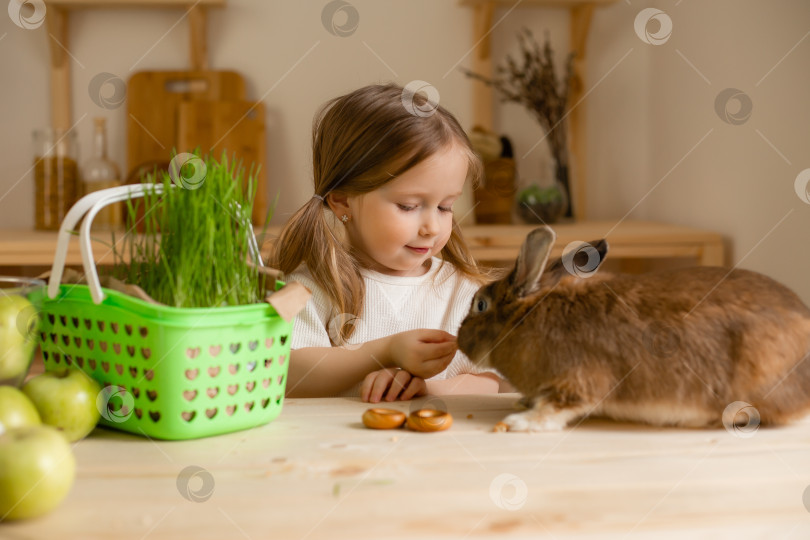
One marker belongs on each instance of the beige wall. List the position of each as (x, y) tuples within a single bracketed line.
[(655, 144)]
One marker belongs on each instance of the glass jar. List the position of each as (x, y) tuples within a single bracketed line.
[(56, 176)]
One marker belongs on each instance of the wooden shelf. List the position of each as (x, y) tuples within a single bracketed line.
[(57, 21), (483, 101), (492, 244)]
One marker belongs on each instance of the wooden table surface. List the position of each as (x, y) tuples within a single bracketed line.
[(315, 472)]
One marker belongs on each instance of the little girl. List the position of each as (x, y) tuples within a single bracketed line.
[(378, 246)]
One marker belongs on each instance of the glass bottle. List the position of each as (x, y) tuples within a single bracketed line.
[(99, 172), (56, 176)]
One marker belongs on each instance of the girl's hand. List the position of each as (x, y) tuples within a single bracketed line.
[(423, 353), (399, 384)]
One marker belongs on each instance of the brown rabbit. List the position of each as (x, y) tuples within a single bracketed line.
[(682, 347)]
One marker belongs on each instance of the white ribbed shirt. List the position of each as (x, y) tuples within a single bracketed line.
[(438, 299)]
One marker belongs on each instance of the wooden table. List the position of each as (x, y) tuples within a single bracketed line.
[(496, 244), (316, 472)]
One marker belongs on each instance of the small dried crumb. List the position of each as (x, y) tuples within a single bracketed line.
[(469, 417), (500, 427)]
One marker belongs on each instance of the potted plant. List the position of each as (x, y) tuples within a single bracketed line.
[(532, 82)]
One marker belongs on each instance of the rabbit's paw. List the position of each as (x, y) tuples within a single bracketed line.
[(531, 421)]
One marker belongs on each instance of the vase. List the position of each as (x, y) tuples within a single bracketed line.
[(542, 205)]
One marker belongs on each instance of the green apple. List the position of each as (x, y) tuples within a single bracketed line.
[(37, 469), (66, 399), (16, 410), (18, 323)]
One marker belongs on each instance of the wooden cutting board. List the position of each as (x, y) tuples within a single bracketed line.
[(234, 126), (153, 101)]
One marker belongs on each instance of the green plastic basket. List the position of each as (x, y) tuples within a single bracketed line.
[(169, 373)]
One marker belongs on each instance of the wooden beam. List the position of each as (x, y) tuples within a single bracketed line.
[(198, 21), (482, 64), (580, 22), (58, 41)]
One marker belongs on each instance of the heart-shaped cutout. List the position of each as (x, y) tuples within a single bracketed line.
[(53, 338), (154, 415), (233, 368), (212, 392), (280, 380), (251, 365), (188, 416), (75, 321), (78, 342), (90, 344), (68, 359), (114, 327), (232, 388), (283, 339), (131, 350), (213, 371), (105, 366), (189, 394), (100, 325), (66, 340), (146, 353), (128, 329), (63, 320), (250, 385), (92, 363), (249, 405), (234, 347), (268, 362), (57, 357), (265, 403), (265, 382), (119, 368), (148, 373), (268, 342), (210, 413), (88, 324), (136, 392), (214, 350), (193, 352), (138, 413), (230, 409), (80, 361), (103, 346), (281, 359), (191, 374), (278, 399), (253, 344), (151, 394), (133, 371), (51, 319), (144, 331), (117, 348)]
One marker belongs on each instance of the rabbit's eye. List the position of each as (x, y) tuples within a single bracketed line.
[(480, 305)]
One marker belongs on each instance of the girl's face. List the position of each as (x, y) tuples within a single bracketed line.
[(398, 227)]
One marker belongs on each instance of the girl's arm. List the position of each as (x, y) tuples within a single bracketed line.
[(326, 371), (482, 383)]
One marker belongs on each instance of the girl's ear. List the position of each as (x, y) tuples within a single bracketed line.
[(338, 203)]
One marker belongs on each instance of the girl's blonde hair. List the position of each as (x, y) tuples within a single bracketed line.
[(360, 141)]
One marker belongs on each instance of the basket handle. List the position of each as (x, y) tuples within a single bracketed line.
[(90, 204)]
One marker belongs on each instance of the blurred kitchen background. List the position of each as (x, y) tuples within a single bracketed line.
[(658, 146)]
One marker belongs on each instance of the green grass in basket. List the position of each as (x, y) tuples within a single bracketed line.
[(194, 250)]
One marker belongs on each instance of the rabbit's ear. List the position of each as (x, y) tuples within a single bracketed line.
[(532, 260)]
